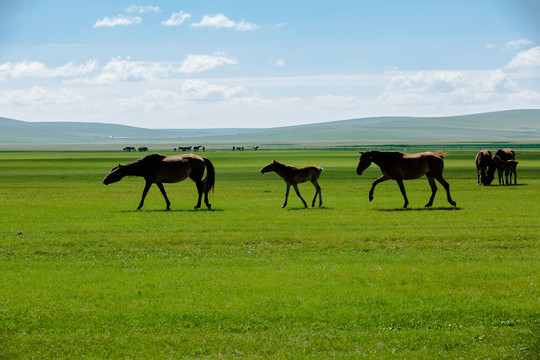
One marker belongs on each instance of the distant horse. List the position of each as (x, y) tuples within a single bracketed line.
[(158, 169), (294, 176), (505, 167), (506, 155), (483, 162), (398, 166)]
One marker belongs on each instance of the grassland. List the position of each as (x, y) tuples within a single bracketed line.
[(85, 275)]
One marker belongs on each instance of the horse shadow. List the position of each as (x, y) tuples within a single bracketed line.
[(296, 208), (171, 211), (438, 208)]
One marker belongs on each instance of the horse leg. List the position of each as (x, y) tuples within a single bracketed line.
[(208, 205), (447, 188), (379, 180), (145, 191), (433, 189), (286, 194), (317, 191), (162, 189), (200, 189), (402, 188), (298, 193)]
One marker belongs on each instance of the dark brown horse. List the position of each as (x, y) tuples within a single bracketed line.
[(398, 166), (158, 169), (296, 175), (483, 163), (505, 167)]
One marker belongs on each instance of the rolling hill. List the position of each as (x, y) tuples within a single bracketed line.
[(507, 126)]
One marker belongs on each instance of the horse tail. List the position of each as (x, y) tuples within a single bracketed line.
[(210, 175), (441, 153)]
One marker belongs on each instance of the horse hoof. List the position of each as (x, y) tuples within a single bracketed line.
[(209, 206)]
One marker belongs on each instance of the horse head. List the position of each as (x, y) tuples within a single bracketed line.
[(116, 174), (364, 162), (269, 167)]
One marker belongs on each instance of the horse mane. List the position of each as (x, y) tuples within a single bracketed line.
[(441, 153), (151, 158), (283, 166)]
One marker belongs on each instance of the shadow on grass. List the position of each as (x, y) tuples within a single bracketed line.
[(440, 208), (505, 185), (292, 208), (171, 211)]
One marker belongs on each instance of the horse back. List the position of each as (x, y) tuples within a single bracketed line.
[(506, 154), (413, 166), (176, 168)]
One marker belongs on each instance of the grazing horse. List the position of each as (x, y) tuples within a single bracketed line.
[(398, 166), (505, 167), (158, 169), (483, 162), (296, 175)]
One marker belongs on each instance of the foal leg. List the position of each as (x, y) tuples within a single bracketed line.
[(286, 195), (379, 180), (160, 186), (402, 188), (433, 189), (145, 191), (317, 191), (447, 188), (298, 193)]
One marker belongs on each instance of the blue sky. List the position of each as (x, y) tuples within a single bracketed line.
[(208, 64)]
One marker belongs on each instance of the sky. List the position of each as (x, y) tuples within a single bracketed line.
[(259, 64)]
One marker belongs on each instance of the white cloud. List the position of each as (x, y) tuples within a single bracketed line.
[(40, 96), (142, 9), (27, 69), (222, 21), (445, 88), (490, 46), (126, 70), (280, 62), (118, 20), (176, 19), (201, 90), (118, 70), (528, 59), (516, 44), (199, 63)]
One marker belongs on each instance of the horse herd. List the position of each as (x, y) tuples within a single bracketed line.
[(504, 162), (159, 169)]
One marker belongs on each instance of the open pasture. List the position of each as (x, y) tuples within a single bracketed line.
[(85, 274)]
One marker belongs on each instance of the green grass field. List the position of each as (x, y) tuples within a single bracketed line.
[(85, 275)]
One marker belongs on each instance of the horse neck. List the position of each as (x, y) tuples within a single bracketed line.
[(136, 168), (377, 158), (281, 169)]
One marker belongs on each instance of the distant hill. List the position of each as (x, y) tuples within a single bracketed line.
[(507, 126)]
